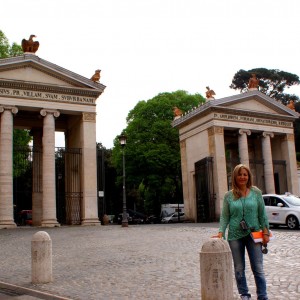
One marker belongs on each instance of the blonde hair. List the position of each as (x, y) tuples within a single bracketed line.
[(235, 189)]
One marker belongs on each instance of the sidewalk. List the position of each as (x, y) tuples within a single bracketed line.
[(139, 262)]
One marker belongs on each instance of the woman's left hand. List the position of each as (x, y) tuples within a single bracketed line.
[(266, 239)]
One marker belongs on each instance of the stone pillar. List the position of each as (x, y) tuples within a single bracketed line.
[(216, 270), (41, 258), (190, 205), (243, 146), (268, 162), (37, 178), (89, 208), (217, 151), (289, 155), (49, 193), (6, 167)]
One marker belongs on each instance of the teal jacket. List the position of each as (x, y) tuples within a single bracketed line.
[(232, 213)]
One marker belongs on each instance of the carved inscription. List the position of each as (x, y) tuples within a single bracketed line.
[(252, 120), (45, 96)]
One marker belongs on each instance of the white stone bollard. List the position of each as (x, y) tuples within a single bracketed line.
[(216, 270), (41, 258)]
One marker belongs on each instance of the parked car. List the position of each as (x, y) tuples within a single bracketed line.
[(283, 209), (137, 217), (152, 219), (172, 218), (24, 217)]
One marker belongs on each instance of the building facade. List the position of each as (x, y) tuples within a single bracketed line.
[(44, 98), (249, 128)]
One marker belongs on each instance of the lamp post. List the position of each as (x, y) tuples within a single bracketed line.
[(122, 139)]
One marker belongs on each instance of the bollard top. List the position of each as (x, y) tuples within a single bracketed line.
[(41, 236), (215, 246)]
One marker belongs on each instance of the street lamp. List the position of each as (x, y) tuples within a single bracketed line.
[(122, 140)]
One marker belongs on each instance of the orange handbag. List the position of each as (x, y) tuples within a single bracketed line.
[(258, 236)]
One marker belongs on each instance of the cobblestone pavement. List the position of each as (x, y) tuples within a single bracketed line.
[(139, 262)]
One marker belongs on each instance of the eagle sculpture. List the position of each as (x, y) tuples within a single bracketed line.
[(177, 111), (96, 76), (30, 45), (210, 93)]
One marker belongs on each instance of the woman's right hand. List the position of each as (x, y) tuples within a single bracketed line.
[(218, 236)]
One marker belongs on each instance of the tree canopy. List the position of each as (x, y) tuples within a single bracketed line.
[(272, 82), (153, 169), (7, 50)]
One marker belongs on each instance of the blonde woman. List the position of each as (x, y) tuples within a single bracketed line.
[(244, 211)]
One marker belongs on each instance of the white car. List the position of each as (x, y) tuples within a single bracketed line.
[(172, 218), (283, 209)]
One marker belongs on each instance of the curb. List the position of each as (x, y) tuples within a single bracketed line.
[(31, 292)]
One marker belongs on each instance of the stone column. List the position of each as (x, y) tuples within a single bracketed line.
[(217, 151), (289, 155), (243, 146), (89, 207), (268, 162), (190, 205), (6, 167), (37, 178), (49, 192)]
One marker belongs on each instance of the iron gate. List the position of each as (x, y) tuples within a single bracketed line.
[(68, 185), (27, 162), (205, 196)]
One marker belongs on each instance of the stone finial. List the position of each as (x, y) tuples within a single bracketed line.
[(96, 76), (209, 93), (30, 45)]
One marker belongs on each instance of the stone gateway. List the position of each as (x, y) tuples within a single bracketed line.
[(42, 97), (249, 128)]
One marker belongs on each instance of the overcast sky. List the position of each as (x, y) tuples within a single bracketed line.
[(146, 47)]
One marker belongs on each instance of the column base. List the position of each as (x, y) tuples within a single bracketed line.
[(7, 224), (49, 223), (90, 222)]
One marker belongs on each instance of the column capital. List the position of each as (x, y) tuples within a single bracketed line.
[(215, 130), (247, 131), (89, 116), (13, 109), (55, 113), (288, 137), (268, 133)]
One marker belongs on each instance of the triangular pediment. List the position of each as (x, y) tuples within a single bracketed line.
[(255, 102), (252, 103), (30, 68)]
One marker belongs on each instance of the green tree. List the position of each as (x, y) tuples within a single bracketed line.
[(271, 82), (21, 150), (7, 50), (106, 182), (153, 170)]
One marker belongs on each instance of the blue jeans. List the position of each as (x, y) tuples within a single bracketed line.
[(256, 261)]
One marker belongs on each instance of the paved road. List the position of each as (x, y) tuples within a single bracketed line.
[(139, 262)]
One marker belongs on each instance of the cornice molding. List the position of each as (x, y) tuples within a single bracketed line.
[(15, 84)]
